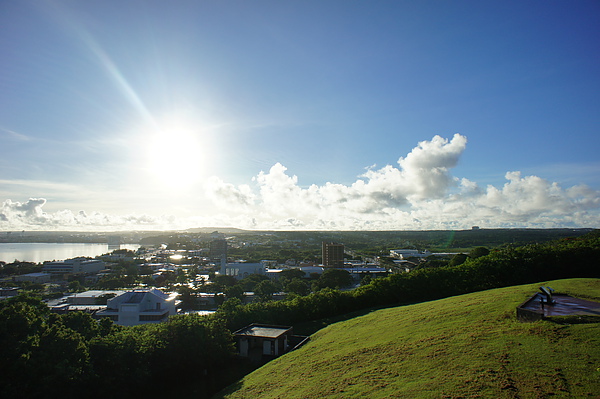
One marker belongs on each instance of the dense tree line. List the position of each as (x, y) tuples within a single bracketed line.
[(46, 355), (505, 266)]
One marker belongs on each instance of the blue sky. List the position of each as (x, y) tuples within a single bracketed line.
[(299, 114)]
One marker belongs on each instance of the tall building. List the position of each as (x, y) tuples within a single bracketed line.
[(333, 254), (217, 248)]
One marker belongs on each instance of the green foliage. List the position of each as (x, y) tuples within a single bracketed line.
[(478, 252), (458, 259), (188, 297), (17, 268), (334, 278), (249, 283), (50, 355), (297, 286), (290, 274), (236, 291), (461, 347), (578, 257), (265, 290)]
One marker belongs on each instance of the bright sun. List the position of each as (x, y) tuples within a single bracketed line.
[(176, 156)]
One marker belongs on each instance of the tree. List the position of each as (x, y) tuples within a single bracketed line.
[(188, 297), (249, 283), (236, 291), (366, 280), (223, 280), (290, 274), (478, 252), (334, 278), (297, 286), (458, 259), (75, 286), (265, 290)]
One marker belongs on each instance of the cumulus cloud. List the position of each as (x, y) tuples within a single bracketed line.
[(30, 215), (419, 193), (227, 195)]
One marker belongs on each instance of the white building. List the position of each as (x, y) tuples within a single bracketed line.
[(75, 265), (408, 253), (90, 297), (242, 270), (308, 270), (140, 307)]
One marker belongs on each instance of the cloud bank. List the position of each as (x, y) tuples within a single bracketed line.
[(418, 193)]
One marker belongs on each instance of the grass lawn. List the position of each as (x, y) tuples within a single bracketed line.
[(468, 346)]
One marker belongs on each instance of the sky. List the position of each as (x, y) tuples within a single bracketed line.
[(299, 115)]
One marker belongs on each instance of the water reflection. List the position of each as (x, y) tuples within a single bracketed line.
[(41, 252)]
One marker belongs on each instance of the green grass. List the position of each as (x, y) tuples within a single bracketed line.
[(469, 346)]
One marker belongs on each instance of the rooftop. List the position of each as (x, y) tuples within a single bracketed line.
[(264, 331)]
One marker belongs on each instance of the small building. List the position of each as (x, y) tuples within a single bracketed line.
[(258, 341), (140, 307), (38, 278)]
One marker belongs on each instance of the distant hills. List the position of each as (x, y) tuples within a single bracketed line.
[(468, 346), (437, 240)]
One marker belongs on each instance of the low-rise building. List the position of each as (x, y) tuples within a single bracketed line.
[(94, 297), (74, 266), (140, 307), (243, 270), (38, 278), (408, 253), (261, 342)]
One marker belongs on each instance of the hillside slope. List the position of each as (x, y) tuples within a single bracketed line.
[(468, 346)]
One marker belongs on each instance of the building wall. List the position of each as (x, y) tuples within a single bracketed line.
[(33, 278), (140, 307), (333, 254), (242, 270), (75, 265), (217, 249)]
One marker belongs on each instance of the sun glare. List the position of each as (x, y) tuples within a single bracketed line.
[(176, 157)]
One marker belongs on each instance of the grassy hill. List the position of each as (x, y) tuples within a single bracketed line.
[(468, 346)]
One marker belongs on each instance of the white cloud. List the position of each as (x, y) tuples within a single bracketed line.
[(226, 195), (419, 193), (30, 215)]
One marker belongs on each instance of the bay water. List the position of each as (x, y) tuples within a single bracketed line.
[(41, 252)]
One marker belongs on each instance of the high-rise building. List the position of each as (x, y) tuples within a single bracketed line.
[(217, 249), (333, 254)]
